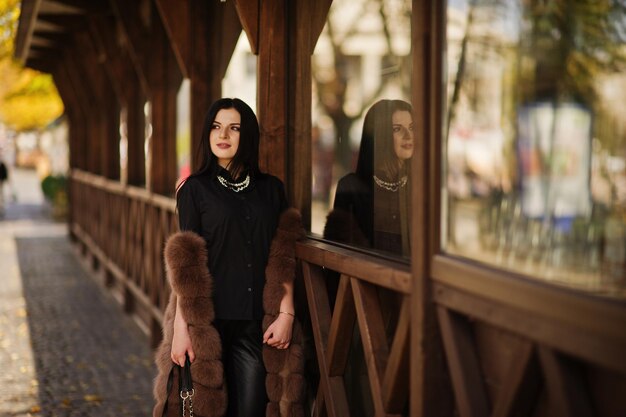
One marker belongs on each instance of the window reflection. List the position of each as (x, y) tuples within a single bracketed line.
[(372, 204), (361, 65), (535, 128)]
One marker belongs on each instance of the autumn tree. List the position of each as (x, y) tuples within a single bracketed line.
[(28, 99)]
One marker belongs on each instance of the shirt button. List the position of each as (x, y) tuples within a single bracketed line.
[(247, 217), (249, 289), (249, 265)]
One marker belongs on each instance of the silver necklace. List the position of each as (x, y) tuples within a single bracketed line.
[(391, 186), (235, 186)]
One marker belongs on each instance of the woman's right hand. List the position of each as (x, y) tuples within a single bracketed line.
[(181, 342)]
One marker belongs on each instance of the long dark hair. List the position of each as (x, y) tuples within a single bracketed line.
[(246, 158), (377, 138)]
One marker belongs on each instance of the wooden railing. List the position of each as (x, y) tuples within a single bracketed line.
[(373, 294), (124, 229)]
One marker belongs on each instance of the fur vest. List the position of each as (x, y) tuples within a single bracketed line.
[(188, 274)]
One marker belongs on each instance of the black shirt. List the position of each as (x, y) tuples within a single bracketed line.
[(238, 229)]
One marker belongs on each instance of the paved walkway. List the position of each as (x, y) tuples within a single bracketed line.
[(66, 349)]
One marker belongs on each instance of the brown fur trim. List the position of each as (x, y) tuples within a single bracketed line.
[(186, 261), (186, 265), (281, 364)]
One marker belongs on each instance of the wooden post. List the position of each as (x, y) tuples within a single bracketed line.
[(273, 87), (164, 79)]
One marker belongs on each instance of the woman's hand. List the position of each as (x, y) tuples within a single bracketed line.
[(181, 342), (278, 334)]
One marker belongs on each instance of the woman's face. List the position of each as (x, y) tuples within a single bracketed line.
[(402, 126), (224, 136)]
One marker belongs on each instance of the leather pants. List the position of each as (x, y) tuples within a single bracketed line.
[(242, 347)]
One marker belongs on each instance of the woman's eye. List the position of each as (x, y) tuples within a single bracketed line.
[(236, 128), (396, 129), (215, 126)]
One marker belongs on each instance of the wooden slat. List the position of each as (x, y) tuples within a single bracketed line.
[(395, 387), (465, 372), (342, 325), (176, 17), (374, 338), (565, 382), (333, 387), (388, 274), (520, 390)]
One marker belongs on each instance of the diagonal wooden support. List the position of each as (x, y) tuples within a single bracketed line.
[(520, 390), (374, 338), (332, 386), (463, 363), (342, 324), (565, 383), (396, 380)]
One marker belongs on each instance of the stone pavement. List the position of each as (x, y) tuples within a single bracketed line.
[(66, 348)]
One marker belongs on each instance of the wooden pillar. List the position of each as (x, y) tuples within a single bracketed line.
[(128, 90), (431, 393), (106, 130), (305, 23), (164, 79), (273, 87), (135, 120), (80, 86)]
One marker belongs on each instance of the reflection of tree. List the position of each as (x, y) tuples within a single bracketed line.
[(332, 86), (572, 42)]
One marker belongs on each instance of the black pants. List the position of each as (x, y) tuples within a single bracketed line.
[(242, 344)]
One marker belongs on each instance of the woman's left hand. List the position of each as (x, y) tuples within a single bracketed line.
[(278, 334)]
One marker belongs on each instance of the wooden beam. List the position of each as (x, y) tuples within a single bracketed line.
[(248, 11), (374, 338), (333, 388), (214, 31), (519, 392), (134, 20), (164, 79), (395, 384), (467, 381), (342, 325), (565, 381), (66, 22), (86, 7), (177, 16)]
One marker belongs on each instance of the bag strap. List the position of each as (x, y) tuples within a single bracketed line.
[(185, 384), (170, 383)]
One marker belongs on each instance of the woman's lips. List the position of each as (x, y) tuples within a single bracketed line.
[(223, 145), (407, 146)]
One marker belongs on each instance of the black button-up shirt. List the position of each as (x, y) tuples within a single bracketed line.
[(238, 229)]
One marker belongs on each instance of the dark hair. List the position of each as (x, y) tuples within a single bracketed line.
[(377, 138), (246, 158)]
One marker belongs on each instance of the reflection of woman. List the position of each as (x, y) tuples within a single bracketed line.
[(371, 209), (371, 205)]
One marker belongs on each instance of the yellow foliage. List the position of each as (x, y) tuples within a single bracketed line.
[(28, 98)]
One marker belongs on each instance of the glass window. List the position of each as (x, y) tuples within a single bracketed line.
[(362, 125), (535, 127)]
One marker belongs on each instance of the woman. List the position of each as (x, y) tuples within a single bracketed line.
[(372, 205), (236, 209)]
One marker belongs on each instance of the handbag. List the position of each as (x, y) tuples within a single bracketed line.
[(185, 388)]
